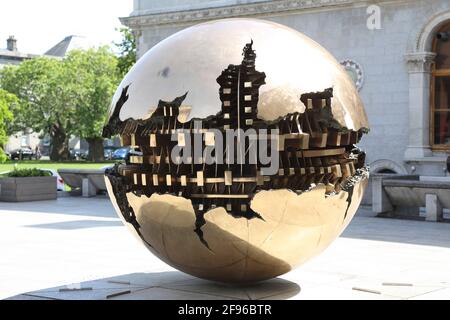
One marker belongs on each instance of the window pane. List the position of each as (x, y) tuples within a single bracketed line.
[(443, 52), (442, 127), (442, 95)]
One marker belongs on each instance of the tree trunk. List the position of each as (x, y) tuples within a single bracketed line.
[(59, 145), (96, 150)]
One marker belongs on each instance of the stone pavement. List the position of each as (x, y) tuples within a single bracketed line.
[(77, 248)]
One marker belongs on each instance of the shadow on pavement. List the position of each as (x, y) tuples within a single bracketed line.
[(171, 285)]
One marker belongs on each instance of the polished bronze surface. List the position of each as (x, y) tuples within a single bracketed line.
[(238, 222), (295, 228), (191, 60)]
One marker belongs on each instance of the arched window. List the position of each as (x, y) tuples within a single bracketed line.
[(440, 91)]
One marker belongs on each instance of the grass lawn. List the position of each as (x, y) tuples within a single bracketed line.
[(44, 164)]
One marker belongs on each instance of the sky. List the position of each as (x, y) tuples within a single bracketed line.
[(40, 24)]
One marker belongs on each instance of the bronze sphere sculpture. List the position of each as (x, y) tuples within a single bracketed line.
[(223, 213)]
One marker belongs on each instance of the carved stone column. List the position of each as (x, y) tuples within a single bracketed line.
[(419, 68)]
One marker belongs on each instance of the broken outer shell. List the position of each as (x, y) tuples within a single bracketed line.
[(295, 228), (191, 60)]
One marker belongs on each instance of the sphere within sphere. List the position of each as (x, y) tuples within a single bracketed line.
[(239, 226)]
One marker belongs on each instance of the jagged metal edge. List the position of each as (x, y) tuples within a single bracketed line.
[(115, 125)]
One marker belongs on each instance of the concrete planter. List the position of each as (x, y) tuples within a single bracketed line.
[(27, 189)]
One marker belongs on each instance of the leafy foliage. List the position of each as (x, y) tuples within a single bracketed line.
[(46, 98), (98, 76), (34, 172), (127, 51), (95, 75), (7, 102), (63, 97)]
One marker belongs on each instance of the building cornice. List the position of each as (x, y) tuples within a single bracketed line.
[(243, 10)]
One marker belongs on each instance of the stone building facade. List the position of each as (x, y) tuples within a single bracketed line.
[(389, 47), (11, 55)]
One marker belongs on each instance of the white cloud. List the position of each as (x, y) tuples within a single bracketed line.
[(39, 24)]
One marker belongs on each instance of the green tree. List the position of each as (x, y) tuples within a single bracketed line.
[(47, 99), (65, 97), (95, 74), (7, 102), (127, 51)]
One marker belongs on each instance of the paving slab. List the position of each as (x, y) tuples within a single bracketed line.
[(75, 242), (443, 294)]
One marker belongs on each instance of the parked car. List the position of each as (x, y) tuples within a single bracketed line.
[(78, 154), (22, 154), (60, 186), (121, 153), (59, 181), (108, 152)]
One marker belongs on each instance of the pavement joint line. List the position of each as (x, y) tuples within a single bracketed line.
[(38, 296), (276, 294), (146, 288), (117, 294), (424, 293), (394, 284), (75, 289), (119, 282), (366, 290), (55, 290), (246, 293)]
